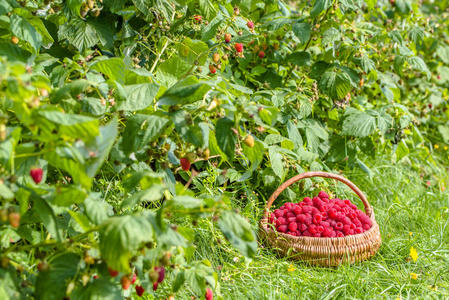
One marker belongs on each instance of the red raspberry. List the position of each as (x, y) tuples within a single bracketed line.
[(323, 208), (238, 47), (332, 213), (282, 228), (340, 216), (317, 219), (261, 54), (352, 215), (36, 174), (161, 271), (327, 232), (363, 218), (339, 226), (308, 200), (95, 277), (185, 163), (209, 294), (292, 233), (359, 212), (347, 202), (139, 290), (325, 224), (306, 233), (357, 223), (312, 229), (298, 233), (292, 226), (346, 221), (315, 211), (317, 201), (198, 18), (290, 215), (297, 209), (280, 221), (307, 209), (319, 229), (317, 235), (352, 226), (347, 230), (112, 272), (324, 214), (250, 24), (288, 206), (291, 219), (134, 278), (279, 213), (353, 206), (155, 286), (301, 218), (302, 204), (303, 227), (308, 220), (272, 218), (333, 234), (340, 234), (366, 226), (323, 194), (340, 203), (332, 223), (358, 230), (345, 210)]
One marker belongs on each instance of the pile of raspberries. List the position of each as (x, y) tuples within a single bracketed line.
[(320, 217)]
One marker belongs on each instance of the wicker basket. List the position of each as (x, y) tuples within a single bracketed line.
[(323, 251)]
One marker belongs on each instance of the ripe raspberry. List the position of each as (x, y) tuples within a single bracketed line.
[(358, 230), (250, 24), (323, 194), (112, 272), (352, 226), (325, 224), (297, 210), (312, 229), (323, 208), (352, 215), (288, 206), (298, 233), (282, 228), (353, 206), (307, 200), (301, 218), (306, 233), (134, 278), (347, 202), (281, 221), (261, 54), (307, 209), (347, 230), (366, 226), (345, 210), (161, 271), (317, 235), (155, 286), (317, 219), (95, 277), (340, 216), (333, 234), (209, 294), (319, 229), (238, 47), (340, 234), (291, 220), (340, 203), (291, 233), (324, 214), (212, 69), (198, 18), (317, 201), (357, 223), (332, 223), (185, 163), (126, 282), (36, 174), (346, 221), (139, 290), (279, 213), (272, 218), (332, 213), (290, 215), (339, 226), (327, 232), (308, 220), (303, 227), (315, 211), (227, 37), (359, 212)]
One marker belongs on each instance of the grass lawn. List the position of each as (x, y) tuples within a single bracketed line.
[(409, 215)]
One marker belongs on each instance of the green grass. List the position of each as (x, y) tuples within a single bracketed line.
[(409, 215)]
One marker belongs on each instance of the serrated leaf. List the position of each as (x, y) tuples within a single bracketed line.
[(209, 31), (79, 33), (319, 6), (22, 29), (196, 51), (188, 130), (418, 63), (138, 96), (276, 162), (302, 31), (171, 70), (98, 289), (239, 232), (114, 68), (443, 53), (302, 58), (184, 91), (226, 138), (335, 84), (331, 35), (359, 125), (120, 236)]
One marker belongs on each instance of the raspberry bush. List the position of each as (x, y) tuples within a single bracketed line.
[(127, 124)]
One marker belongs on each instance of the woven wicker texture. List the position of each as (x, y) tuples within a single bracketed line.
[(320, 250)]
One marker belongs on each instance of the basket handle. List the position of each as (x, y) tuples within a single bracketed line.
[(368, 209)]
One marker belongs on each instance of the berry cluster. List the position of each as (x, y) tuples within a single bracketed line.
[(320, 217)]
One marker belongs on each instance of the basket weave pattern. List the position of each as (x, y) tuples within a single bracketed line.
[(323, 251)]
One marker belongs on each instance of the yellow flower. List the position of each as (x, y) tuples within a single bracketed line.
[(410, 233), (399, 298), (414, 276), (445, 148), (433, 287), (436, 146), (291, 268), (413, 254)]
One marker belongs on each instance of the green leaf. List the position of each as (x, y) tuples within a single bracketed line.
[(444, 131), (114, 68), (404, 6), (187, 90), (14, 52), (171, 70), (239, 232), (331, 35), (254, 155), (209, 31), (359, 124), (52, 284), (98, 289), (226, 138), (154, 193), (48, 217), (319, 6), (79, 33), (443, 53), (178, 279), (114, 5), (67, 196), (22, 29), (96, 209), (147, 7), (417, 35), (120, 236), (335, 84), (276, 162), (418, 64), (302, 31), (197, 51), (138, 96), (186, 128), (302, 58), (402, 150), (141, 130), (294, 135)]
